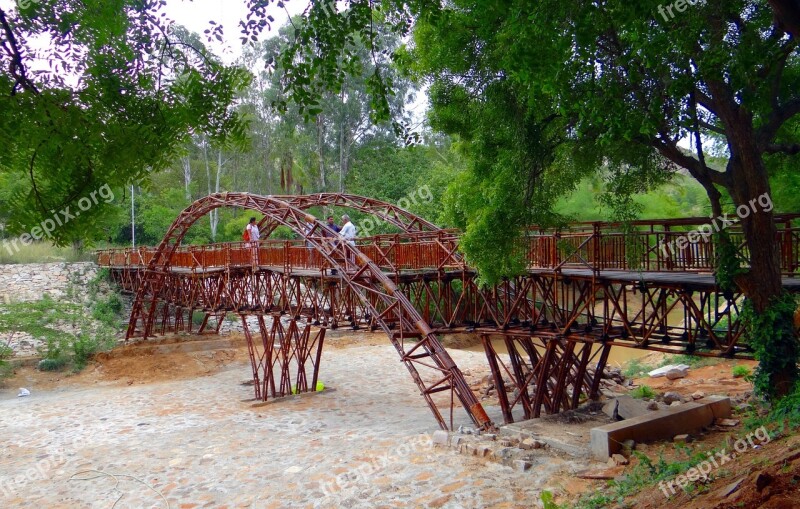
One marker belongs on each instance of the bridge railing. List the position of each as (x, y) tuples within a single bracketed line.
[(682, 245), (406, 251)]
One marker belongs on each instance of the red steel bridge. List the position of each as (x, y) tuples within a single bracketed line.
[(587, 288)]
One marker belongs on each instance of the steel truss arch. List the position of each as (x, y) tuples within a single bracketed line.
[(402, 219), (388, 306)]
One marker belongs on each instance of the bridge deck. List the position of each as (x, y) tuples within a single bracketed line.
[(688, 280)]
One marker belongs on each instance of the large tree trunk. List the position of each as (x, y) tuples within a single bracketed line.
[(762, 284)]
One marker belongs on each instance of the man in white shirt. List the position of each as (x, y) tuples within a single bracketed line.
[(348, 230)]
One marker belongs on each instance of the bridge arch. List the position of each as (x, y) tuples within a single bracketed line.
[(356, 270), (406, 221)]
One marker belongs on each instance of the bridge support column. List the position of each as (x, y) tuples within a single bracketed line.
[(285, 358), (551, 374)]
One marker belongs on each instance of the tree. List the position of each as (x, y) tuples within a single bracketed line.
[(553, 90), (122, 90)]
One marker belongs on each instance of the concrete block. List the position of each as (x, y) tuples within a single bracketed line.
[(660, 425)]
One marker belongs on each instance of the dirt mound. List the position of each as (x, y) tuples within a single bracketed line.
[(143, 362)]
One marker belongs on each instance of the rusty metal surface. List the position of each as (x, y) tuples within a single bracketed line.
[(587, 289)]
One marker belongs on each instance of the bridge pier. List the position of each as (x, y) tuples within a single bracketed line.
[(285, 358), (546, 373)]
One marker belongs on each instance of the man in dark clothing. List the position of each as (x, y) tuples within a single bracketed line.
[(331, 226)]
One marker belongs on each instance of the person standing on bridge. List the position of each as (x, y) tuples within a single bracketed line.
[(331, 228), (348, 230), (252, 236)]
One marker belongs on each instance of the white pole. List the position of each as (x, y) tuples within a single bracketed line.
[(133, 221)]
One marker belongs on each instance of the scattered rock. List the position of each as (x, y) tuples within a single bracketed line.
[(671, 397), (681, 439), (617, 460), (675, 374), (676, 403), (531, 443), (441, 437), (698, 395), (653, 405), (23, 392), (727, 422), (522, 465), (604, 474), (732, 487), (625, 407), (610, 409)]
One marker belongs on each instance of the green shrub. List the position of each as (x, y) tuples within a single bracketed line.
[(642, 392), (740, 371), (52, 364), (108, 311), (5, 366), (85, 345)]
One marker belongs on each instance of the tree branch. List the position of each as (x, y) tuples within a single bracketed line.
[(788, 149), (17, 67)]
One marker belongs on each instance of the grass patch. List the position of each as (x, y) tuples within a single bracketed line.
[(40, 252), (643, 392), (635, 368), (693, 361), (645, 474), (741, 371)]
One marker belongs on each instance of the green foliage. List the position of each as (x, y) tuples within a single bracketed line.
[(5, 366), (41, 252), (66, 329), (693, 361), (740, 371), (52, 363), (548, 501), (635, 368), (643, 392), (644, 474), (728, 263), (772, 337), (105, 112), (108, 310), (786, 411)]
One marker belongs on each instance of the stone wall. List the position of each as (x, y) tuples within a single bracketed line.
[(29, 282)]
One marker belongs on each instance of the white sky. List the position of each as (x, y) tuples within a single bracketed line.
[(196, 14)]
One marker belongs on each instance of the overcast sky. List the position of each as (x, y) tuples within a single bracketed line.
[(196, 14)]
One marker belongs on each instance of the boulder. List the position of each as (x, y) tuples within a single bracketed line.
[(674, 374), (669, 397), (662, 371)]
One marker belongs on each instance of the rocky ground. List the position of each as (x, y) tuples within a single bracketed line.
[(157, 425), (171, 423)]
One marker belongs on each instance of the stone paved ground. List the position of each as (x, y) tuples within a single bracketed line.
[(200, 443)]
